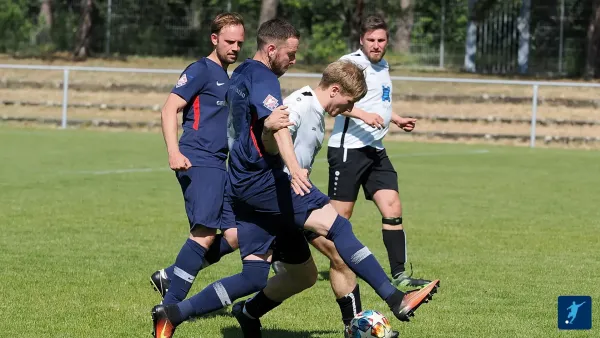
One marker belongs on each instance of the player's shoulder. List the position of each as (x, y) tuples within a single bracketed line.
[(197, 66), (356, 57), (300, 98)]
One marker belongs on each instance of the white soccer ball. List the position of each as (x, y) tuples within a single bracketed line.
[(370, 324)]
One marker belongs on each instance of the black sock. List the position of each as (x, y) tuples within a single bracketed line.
[(259, 305), (350, 305), (395, 298), (395, 243)]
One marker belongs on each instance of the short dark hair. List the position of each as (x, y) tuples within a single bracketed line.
[(371, 23), (275, 30), (224, 20)]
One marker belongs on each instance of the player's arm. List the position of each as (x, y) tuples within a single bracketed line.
[(372, 119), (277, 134), (406, 123), (177, 161), (277, 120), (188, 86)]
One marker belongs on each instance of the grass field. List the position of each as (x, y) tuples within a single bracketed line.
[(87, 215)]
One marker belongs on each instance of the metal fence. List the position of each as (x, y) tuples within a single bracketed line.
[(535, 85)]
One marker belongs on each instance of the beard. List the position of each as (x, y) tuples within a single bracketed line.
[(374, 58)]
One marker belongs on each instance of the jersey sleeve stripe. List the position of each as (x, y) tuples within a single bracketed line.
[(196, 113)]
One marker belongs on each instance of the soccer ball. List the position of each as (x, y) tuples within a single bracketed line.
[(369, 324)]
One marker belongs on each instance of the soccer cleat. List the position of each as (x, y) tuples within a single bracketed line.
[(406, 282), (278, 267), (250, 327), (160, 282), (162, 326), (395, 334), (413, 299)]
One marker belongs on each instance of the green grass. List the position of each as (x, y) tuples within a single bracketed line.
[(507, 231)]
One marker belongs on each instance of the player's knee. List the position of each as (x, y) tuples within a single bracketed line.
[(256, 274), (231, 238), (308, 277)]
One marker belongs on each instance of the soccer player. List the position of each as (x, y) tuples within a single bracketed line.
[(306, 108), (198, 159), (274, 56), (267, 207), (357, 157)]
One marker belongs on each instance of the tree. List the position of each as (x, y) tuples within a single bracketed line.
[(355, 16), (82, 46), (592, 65), (268, 10), (404, 23)]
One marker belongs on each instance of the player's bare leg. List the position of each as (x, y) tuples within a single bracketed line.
[(389, 205), (343, 208)]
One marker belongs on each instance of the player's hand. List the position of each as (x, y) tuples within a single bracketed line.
[(372, 119), (300, 182), (405, 123), (278, 119), (178, 162)]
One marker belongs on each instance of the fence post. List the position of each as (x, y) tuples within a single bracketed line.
[(442, 33), (65, 101), (534, 104)]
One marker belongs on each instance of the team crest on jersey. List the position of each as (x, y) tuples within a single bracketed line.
[(386, 91), (182, 81), (270, 102)]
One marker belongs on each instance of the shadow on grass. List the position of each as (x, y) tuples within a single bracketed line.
[(236, 332)]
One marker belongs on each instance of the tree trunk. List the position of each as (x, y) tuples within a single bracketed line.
[(355, 19), (404, 23), (82, 46), (44, 23), (268, 10), (592, 65)]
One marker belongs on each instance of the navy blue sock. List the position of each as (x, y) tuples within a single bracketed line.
[(169, 271), (188, 263), (253, 278), (218, 249), (358, 257)]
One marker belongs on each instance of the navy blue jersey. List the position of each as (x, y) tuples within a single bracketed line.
[(203, 85), (254, 92)]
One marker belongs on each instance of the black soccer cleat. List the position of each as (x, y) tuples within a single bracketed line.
[(250, 327), (162, 326), (160, 282), (413, 299)]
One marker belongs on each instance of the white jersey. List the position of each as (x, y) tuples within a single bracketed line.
[(308, 130), (353, 133)]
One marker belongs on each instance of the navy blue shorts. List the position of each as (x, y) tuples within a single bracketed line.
[(277, 214), (206, 201)]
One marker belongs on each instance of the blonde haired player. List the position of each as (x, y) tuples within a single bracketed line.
[(341, 86)]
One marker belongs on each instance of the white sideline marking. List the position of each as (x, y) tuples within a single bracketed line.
[(146, 170)]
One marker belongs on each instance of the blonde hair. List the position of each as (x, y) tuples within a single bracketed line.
[(348, 75), (225, 19)]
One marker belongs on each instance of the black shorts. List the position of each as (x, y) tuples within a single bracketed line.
[(349, 169)]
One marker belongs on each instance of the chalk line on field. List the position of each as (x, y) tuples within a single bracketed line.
[(147, 170)]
